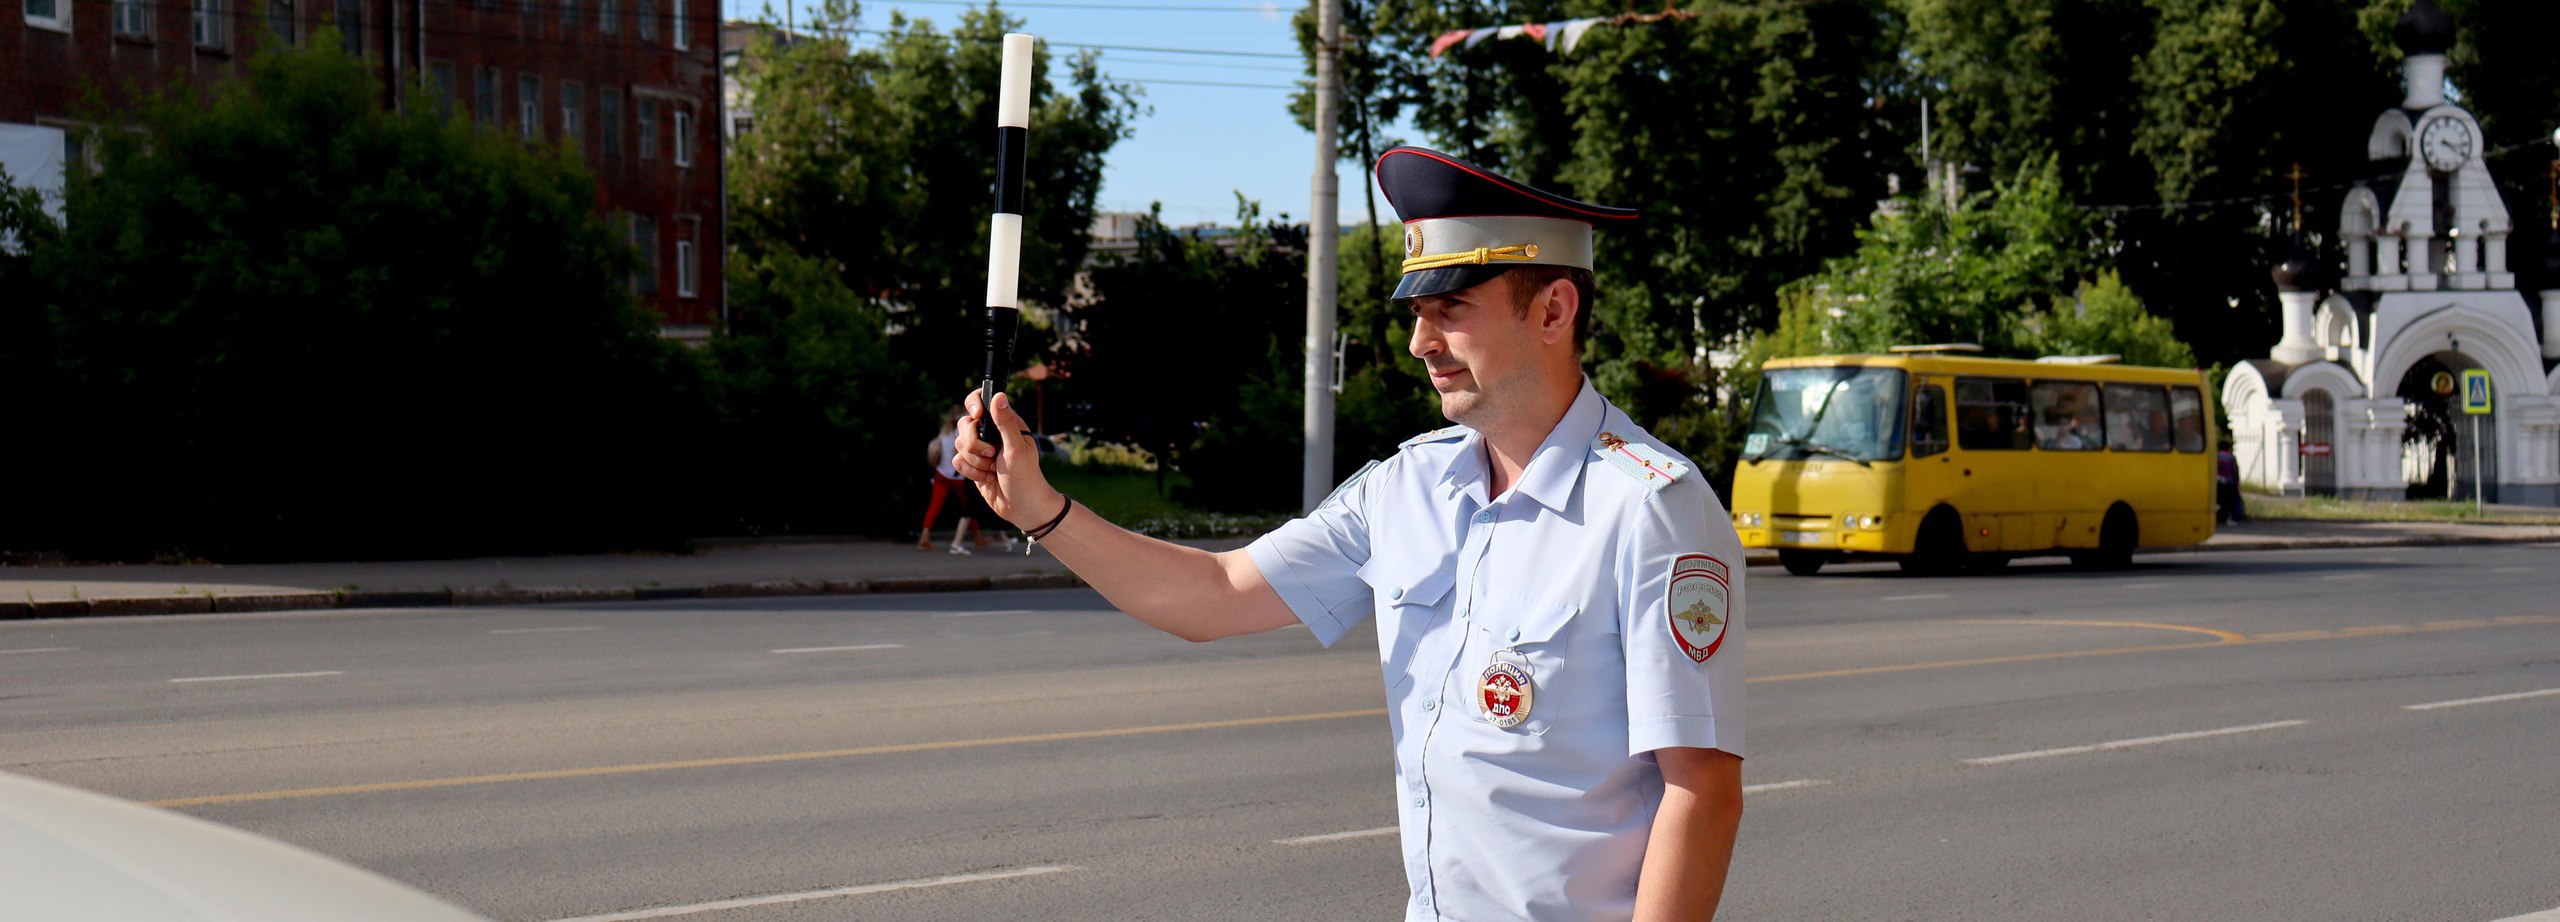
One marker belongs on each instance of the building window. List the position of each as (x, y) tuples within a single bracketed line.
[(531, 11), (572, 98), (684, 136), (529, 107), (609, 118), (484, 96), (678, 35), (648, 136), (568, 15), (132, 17), (609, 16), (280, 20), (644, 240), (351, 26), (50, 14), (208, 23), (687, 283), (648, 20), (440, 80)]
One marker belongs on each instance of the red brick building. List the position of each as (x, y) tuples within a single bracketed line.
[(633, 84)]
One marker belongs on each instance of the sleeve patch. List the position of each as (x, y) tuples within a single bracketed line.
[(1442, 434), (1701, 589)]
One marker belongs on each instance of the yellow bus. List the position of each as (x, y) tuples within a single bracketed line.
[(1943, 460)]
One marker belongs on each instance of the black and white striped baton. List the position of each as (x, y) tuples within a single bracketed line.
[(1004, 231)]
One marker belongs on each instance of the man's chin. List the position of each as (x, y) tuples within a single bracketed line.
[(1459, 405)]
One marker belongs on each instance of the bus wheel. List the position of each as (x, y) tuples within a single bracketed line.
[(2116, 538), (1939, 547), (1802, 563)]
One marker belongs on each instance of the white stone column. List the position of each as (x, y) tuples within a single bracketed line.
[(2389, 418), (2298, 345), (2551, 323), (2388, 275)]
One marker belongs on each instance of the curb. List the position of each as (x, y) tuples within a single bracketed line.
[(555, 595)]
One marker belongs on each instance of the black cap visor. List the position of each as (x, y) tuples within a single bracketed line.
[(1445, 280)]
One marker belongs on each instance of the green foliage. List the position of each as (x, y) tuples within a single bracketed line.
[(1922, 274), (877, 162), (859, 209), (1224, 409), (282, 322), (2106, 319)]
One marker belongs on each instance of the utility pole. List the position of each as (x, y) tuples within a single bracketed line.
[(1323, 220)]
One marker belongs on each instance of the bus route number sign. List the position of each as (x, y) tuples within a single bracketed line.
[(2475, 392)]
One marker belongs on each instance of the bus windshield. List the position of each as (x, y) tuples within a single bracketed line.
[(1846, 412)]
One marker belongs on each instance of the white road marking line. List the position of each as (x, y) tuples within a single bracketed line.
[(39, 650), (2127, 744), (1337, 836), (2547, 915), (543, 630), (859, 646), (2342, 577), (270, 675), (982, 614), (807, 895), (2492, 699), (1913, 598), (1783, 785)]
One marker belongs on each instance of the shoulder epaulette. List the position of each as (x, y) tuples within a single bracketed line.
[(1349, 482), (1638, 460), (1442, 434)]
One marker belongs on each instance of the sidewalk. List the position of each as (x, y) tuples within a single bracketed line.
[(742, 571)]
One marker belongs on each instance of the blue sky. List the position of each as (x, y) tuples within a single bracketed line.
[(1198, 145)]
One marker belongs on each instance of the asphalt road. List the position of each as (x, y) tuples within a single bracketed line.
[(2214, 736)]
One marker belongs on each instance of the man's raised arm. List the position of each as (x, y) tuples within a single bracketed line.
[(1184, 591)]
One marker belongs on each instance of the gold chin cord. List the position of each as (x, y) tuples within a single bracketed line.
[(1475, 257)]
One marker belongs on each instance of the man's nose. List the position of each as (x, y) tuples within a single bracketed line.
[(1426, 338)]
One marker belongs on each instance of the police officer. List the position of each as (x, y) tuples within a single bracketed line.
[(1558, 597)]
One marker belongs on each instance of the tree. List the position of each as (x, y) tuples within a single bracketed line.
[(1189, 349), (282, 322), (859, 211)]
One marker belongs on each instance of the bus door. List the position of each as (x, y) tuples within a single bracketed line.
[(1931, 474), (1994, 487)]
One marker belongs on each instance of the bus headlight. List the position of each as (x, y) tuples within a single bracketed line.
[(1749, 519), (1869, 522)]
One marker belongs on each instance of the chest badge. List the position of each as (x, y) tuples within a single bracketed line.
[(1701, 593), (1504, 693)]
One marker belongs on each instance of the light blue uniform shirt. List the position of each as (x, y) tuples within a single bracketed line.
[(1568, 578)]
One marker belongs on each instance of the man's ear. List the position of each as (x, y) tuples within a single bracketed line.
[(1558, 303)]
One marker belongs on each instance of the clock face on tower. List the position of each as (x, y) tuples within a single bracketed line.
[(2446, 143)]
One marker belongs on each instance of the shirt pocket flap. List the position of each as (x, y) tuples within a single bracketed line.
[(1408, 585), (1541, 622)]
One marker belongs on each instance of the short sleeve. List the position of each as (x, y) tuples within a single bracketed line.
[(1314, 561), (1682, 619)]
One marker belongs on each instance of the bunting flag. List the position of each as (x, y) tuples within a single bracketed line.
[(1559, 37)]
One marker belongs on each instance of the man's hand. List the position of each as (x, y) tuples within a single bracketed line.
[(1011, 481)]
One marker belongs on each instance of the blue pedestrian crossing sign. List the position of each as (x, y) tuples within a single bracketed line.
[(2475, 392)]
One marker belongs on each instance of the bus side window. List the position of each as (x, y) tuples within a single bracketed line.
[(2186, 412), (2137, 417), (2067, 416), (1991, 414), (1928, 420)]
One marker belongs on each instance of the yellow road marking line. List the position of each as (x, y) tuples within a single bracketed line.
[(768, 759), (2224, 636), (945, 745)]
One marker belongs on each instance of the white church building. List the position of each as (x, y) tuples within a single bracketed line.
[(2338, 408)]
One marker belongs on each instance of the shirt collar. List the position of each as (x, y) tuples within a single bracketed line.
[(1553, 470)]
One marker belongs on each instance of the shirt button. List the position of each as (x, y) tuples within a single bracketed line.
[(1417, 800), (1426, 899), (1484, 516), (1433, 704), (1515, 634), (1395, 594)]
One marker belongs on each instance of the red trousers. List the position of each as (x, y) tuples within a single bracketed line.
[(944, 487)]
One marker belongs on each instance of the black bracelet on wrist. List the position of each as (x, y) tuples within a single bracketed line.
[(1032, 537)]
